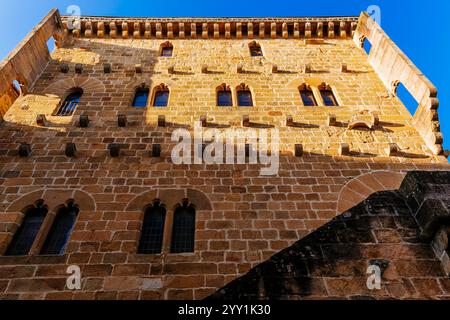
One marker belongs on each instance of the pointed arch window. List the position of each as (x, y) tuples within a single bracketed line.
[(68, 107), (255, 49), (166, 50), (26, 234), (183, 229), (161, 96), (307, 96), (224, 96), (62, 227), (141, 97), (152, 233), (328, 96), (244, 95)]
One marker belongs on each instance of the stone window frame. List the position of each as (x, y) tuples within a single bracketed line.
[(256, 44), (225, 87), (315, 91), (244, 87), (159, 88), (155, 203), (142, 86), (324, 86), (63, 100), (168, 228), (163, 45), (44, 230)]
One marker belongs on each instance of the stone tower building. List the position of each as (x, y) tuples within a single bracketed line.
[(87, 179)]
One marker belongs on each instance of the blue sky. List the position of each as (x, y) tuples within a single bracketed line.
[(420, 28)]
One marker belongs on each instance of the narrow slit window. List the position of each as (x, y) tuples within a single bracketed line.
[(70, 104), (328, 98), (183, 230), (161, 98), (308, 98), (59, 234), (245, 98), (26, 234), (152, 232), (141, 98)]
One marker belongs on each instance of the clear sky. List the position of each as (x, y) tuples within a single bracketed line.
[(420, 28)]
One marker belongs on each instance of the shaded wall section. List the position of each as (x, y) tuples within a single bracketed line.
[(332, 262)]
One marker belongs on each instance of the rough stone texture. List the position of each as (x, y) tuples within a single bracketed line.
[(332, 262), (242, 218)]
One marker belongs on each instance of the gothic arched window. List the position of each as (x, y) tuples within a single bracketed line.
[(183, 229), (224, 96), (152, 233), (255, 49), (141, 97), (161, 96), (244, 95), (328, 96), (307, 96), (26, 234), (59, 233)]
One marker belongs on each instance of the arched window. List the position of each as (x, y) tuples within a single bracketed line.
[(327, 95), (244, 96), (161, 96), (141, 97), (59, 234), (152, 232), (166, 49), (26, 234), (183, 229), (224, 97), (71, 102), (307, 96), (255, 49)]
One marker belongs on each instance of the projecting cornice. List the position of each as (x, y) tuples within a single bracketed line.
[(212, 28)]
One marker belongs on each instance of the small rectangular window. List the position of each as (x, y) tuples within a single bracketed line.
[(161, 99), (328, 98), (308, 98), (245, 98), (224, 99)]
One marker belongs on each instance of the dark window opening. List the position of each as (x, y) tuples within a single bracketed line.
[(308, 98), (141, 98), (167, 51), (224, 98), (183, 230), (245, 98), (407, 99), (256, 50), (26, 234), (69, 105), (152, 232), (59, 234), (328, 98), (161, 99)]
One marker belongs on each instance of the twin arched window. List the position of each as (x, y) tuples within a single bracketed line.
[(326, 93), (69, 105), (56, 239), (183, 229), (225, 96)]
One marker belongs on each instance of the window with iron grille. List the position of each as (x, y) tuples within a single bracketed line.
[(70, 104), (141, 98), (26, 234), (161, 98), (183, 230), (59, 234), (328, 98), (308, 98), (152, 232), (245, 98)]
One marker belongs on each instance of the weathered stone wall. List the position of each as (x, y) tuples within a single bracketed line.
[(242, 218)]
